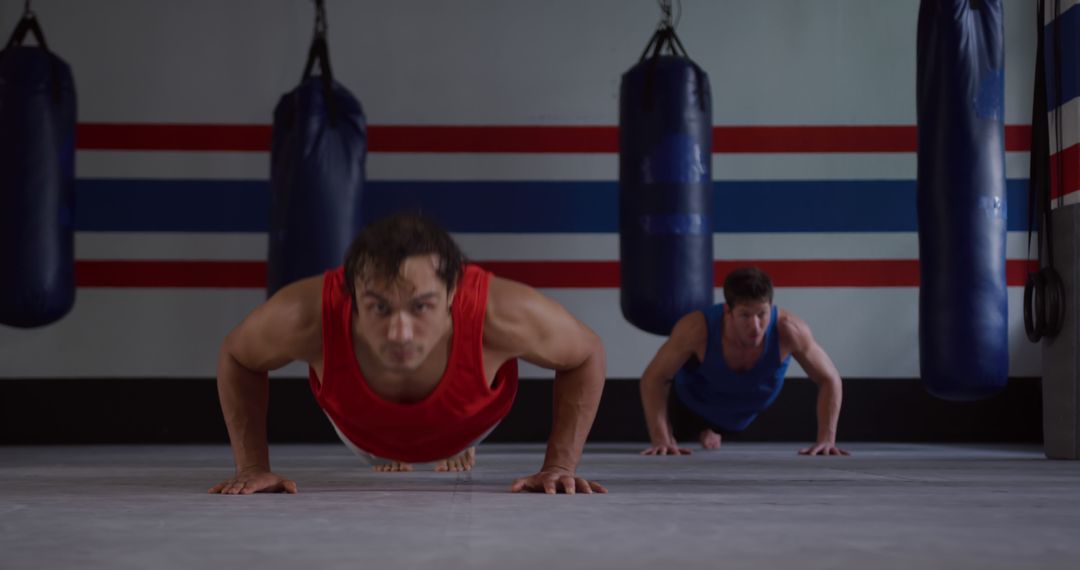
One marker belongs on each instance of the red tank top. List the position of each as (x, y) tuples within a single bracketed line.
[(460, 409)]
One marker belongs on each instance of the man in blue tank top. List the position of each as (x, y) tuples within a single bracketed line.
[(723, 366)]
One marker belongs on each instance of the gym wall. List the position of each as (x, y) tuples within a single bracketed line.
[(814, 167)]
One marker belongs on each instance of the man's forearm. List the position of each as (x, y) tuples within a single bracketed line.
[(654, 395), (576, 397), (830, 395), (244, 396)]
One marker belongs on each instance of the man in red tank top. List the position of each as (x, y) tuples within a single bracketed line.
[(413, 358)]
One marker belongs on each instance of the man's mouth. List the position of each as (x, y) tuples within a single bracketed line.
[(401, 353)]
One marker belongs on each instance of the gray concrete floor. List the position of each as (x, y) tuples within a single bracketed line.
[(745, 506)]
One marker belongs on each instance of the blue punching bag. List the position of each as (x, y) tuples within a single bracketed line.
[(37, 181), (963, 315), (317, 172), (665, 187)]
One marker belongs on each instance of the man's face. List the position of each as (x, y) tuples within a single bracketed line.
[(403, 320), (751, 319)]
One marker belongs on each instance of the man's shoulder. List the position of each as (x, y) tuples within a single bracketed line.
[(691, 329), (507, 309), (793, 330), (300, 303), (518, 317), (501, 294), (288, 326)]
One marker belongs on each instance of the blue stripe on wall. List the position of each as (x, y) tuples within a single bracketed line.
[(516, 207), (1069, 26)]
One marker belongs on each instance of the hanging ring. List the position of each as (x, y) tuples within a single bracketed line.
[(1044, 304)]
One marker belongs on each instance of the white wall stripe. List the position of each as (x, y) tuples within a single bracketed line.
[(170, 246), (1068, 200), (169, 165), (529, 247), (557, 62), (1070, 125), (513, 167)]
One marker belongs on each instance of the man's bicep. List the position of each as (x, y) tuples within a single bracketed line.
[(255, 344), (814, 360), (559, 341), (687, 335), (669, 359), (671, 356)]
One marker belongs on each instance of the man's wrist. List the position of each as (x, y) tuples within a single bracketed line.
[(555, 468), (558, 461), (657, 434), (253, 467)]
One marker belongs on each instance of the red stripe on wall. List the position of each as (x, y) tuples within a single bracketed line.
[(1017, 138), (1065, 166), (544, 274), (854, 139), (814, 139), (784, 273), (558, 274), (831, 273), (189, 137), (179, 274), (518, 139), (494, 139)]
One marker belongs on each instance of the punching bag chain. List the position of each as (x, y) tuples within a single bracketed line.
[(320, 18), (320, 51), (670, 16), (665, 37), (28, 13), (27, 25), (1044, 291)]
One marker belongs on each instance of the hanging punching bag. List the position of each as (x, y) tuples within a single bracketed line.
[(317, 172), (37, 181), (665, 187), (963, 317)]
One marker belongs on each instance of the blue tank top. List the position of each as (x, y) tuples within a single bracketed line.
[(727, 399)]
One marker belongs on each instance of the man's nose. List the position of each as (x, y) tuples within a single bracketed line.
[(401, 329)]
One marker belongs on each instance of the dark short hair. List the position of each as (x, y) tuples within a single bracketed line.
[(380, 248), (747, 284)]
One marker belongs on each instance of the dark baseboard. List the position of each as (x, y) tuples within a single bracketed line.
[(97, 411)]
